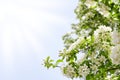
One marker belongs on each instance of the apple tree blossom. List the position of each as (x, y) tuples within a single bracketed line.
[(92, 48)]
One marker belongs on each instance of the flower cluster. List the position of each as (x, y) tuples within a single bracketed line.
[(115, 37), (75, 44), (90, 3), (115, 50), (115, 54), (94, 69), (102, 30), (68, 71), (101, 8), (116, 1), (103, 38), (87, 15), (83, 70)]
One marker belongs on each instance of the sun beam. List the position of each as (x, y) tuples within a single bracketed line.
[(22, 26)]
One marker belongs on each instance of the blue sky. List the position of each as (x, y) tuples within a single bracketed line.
[(31, 30)]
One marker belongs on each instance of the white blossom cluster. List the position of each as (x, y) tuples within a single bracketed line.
[(115, 1), (90, 3), (95, 58), (79, 7), (94, 68), (101, 8), (83, 70), (115, 37), (68, 71), (102, 35), (87, 16), (75, 44), (101, 30), (115, 50), (115, 54), (96, 62)]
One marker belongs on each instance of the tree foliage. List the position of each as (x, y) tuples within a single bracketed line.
[(92, 48)]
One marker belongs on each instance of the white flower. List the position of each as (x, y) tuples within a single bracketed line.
[(103, 10), (104, 28), (115, 1), (87, 16), (102, 58), (90, 3), (102, 32), (93, 55), (83, 70), (83, 17), (109, 77), (101, 29), (94, 59), (115, 54), (97, 62), (115, 50), (115, 37), (94, 68), (85, 33), (68, 71), (75, 44)]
